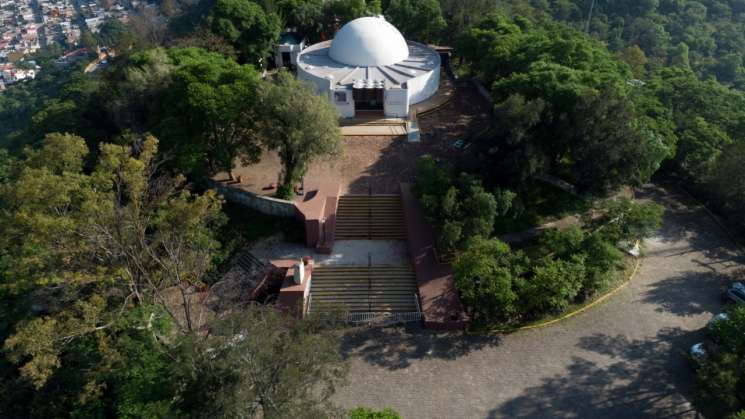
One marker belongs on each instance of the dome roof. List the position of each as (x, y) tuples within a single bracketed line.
[(369, 42)]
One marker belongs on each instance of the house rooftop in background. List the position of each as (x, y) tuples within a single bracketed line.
[(370, 67)]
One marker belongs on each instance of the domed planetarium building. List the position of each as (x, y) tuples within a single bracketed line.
[(370, 67)]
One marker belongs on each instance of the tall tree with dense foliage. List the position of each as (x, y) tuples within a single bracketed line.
[(721, 377), (418, 20), (484, 275), (299, 125), (558, 95), (99, 252), (461, 208), (252, 31), (262, 363), (304, 15), (206, 119)]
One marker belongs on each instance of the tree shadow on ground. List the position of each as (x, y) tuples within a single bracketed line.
[(688, 225), (395, 348), (687, 294), (646, 378)]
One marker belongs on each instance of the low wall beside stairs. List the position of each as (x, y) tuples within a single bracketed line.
[(263, 204)]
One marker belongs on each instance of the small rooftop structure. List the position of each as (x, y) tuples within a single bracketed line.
[(290, 45), (369, 66)]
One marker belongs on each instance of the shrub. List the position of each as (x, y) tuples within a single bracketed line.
[(601, 256), (552, 285), (285, 192), (450, 235), (459, 207), (484, 274), (601, 259), (367, 413)]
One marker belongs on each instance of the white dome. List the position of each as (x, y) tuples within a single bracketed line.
[(369, 42)]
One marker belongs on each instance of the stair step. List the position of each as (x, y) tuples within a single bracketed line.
[(364, 289), (370, 217)]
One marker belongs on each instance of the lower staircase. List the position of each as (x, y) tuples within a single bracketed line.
[(370, 217), (374, 289), (250, 263)]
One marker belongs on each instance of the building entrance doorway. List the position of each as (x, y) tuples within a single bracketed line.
[(368, 99)]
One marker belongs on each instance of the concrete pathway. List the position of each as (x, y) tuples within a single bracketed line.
[(346, 252), (623, 359), (374, 130)]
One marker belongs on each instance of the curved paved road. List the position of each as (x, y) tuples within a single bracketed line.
[(623, 359)]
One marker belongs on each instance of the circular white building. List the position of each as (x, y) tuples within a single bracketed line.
[(370, 67)]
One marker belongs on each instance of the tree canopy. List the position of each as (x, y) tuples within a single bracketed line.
[(207, 111), (252, 31), (419, 20), (560, 99), (300, 125)]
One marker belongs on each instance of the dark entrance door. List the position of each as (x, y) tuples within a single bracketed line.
[(286, 60), (368, 99)]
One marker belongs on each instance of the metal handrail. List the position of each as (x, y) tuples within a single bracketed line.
[(416, 302), (371, 316)]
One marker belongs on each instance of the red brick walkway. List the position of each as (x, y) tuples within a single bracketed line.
[(440, 304)]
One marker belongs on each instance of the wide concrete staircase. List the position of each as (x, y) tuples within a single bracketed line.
[(375, 289), (370, 217)]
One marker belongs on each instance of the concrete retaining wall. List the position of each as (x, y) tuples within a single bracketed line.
[(262, 204)]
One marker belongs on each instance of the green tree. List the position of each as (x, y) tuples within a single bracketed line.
[(552, 285), (300, 125), (419, 20), (366, 413), (343, 11), (90, 247), (460, 16), (636, 59), (679, 57), (304, 15), (484, 274), (729, 182), (601, 256), (262, 363), (252, 31), (720, 379), (610, 146), (207, 112), (116, 35), (558, 95)]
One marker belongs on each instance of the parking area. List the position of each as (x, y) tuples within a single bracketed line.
[(626, 358)]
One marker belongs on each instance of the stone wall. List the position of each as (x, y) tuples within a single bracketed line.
[(263, 204)]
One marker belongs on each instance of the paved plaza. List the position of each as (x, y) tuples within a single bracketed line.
[(623, 359)]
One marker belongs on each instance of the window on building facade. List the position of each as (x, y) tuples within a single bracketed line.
[(340, 96)]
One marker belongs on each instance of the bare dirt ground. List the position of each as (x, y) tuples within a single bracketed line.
[(379, 164)]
